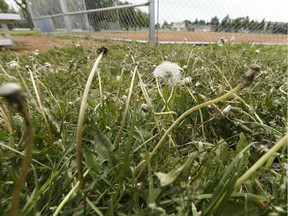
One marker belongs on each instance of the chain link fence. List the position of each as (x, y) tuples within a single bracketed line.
[(182, 21), (104, 18), (258, 21)]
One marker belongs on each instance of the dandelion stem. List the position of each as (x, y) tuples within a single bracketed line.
[(81, 121), (261, 161), (14, 208), (41, 108)]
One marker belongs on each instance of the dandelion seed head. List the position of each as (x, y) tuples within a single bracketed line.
[(13, 65), (169, 72)]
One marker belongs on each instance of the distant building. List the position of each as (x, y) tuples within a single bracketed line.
[(200, 28), (178, 26)]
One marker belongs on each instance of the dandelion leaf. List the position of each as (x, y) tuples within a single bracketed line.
[(103, 147), (242, 143), (177, 174)]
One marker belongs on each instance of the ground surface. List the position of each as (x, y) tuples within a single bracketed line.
[(38, 43), (198, 36), (30, 43)]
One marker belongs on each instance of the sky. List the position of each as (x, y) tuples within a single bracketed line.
[(180, 10)]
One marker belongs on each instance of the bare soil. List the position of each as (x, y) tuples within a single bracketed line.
[(23, 44)]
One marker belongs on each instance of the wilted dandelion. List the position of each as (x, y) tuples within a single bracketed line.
[(169, 72), (221, 42), (13, 65)]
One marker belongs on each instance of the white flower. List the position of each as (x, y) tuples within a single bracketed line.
[(169, 72), (13, 65), (257, 51), (187, 80), (9, 89)]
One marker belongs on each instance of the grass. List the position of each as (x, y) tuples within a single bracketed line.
[(200, 166)]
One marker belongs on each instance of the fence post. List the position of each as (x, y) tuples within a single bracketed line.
[(30, 11), (66, 17), (152, 22)]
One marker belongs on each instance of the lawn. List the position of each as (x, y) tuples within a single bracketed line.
[(146, 144)]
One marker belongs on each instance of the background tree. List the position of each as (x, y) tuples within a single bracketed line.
[(125, 18), (224, 26), (215, 23), (4, 7), (187, 23), (165, 25), (25, 15)]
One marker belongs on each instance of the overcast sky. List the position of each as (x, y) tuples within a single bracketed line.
[(179, 10)]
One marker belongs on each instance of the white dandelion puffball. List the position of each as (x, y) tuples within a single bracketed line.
[(169, 72)]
